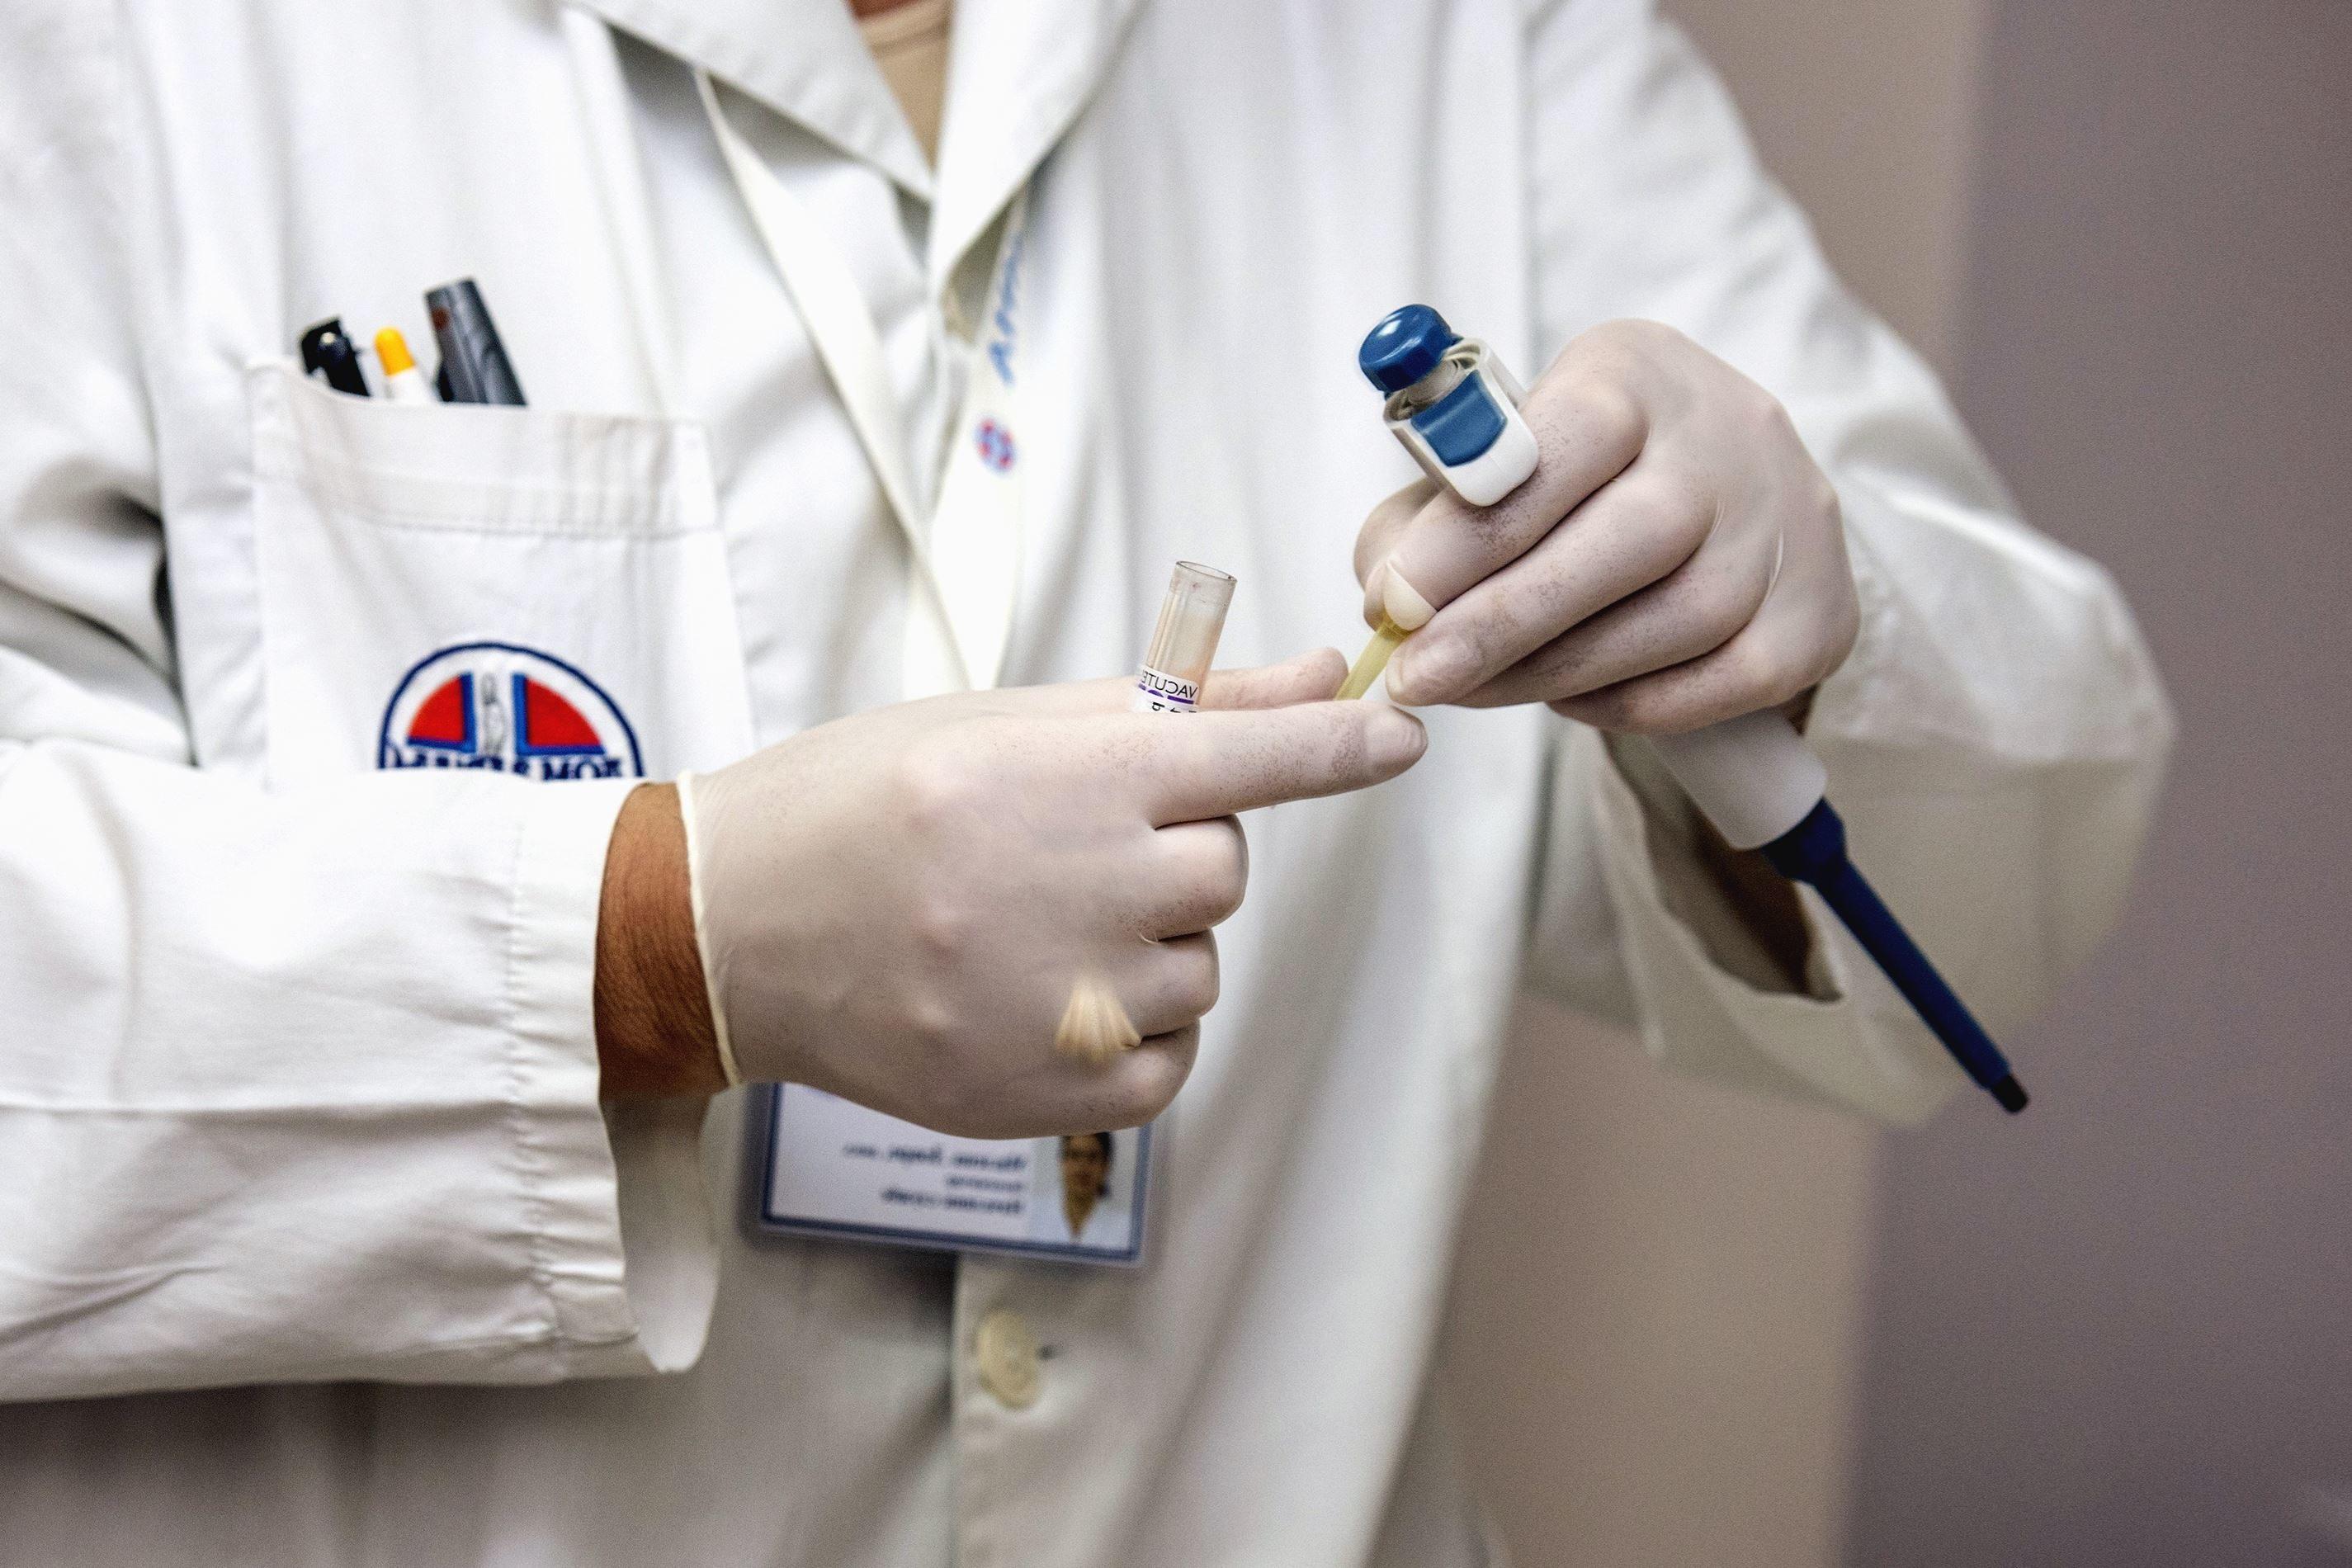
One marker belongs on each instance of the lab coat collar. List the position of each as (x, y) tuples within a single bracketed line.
[(1019, 73), (805, 59)]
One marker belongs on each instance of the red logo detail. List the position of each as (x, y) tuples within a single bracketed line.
[(550, 723), (446, 718)]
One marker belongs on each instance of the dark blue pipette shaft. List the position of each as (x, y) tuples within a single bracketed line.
[(1813, 852)]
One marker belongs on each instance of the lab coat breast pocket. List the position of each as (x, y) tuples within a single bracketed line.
[(517, 590)]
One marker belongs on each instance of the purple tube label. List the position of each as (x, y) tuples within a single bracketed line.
[(1156, 691)]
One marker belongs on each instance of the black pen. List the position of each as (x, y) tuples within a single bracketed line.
[(328, 351)]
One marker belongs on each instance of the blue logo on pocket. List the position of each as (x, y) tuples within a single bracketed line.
[(507, 709)]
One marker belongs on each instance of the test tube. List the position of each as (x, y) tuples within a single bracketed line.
[(1185, 643)]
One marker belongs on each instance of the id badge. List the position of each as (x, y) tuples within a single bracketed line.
[(827, 1166)]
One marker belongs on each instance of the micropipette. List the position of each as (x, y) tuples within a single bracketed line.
[(1455, 408)]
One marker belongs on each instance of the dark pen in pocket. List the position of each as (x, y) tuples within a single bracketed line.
[(327, 351), (474, 364)]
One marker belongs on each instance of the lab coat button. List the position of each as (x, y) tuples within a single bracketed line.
[(1005, 1353)]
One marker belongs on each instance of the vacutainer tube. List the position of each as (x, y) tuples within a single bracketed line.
[(1184, 644)]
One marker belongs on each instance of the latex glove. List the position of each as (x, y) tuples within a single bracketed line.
[(1676, 557), (895, 907)]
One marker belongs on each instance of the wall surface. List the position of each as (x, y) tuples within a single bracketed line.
[(2114, 1330), (1652, 1353), (1657, 1313), (2121, 1331), (1865, 112)]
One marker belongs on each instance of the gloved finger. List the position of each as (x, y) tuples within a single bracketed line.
[(1308, 676), (1588, 430), (1169, 984), (1639, 528), (1220, 764), (1193, 879), (1108, 695), (1387, 521), (1140, 1084), (1762, 666), (1688, 615), (1125, 1088), (1701, 607)]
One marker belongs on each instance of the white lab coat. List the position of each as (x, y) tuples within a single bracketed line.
[(297, 1086), (1106, 1224)]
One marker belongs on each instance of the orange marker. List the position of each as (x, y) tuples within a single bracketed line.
[(403, 382)]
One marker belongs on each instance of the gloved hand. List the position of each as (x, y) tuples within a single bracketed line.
[(1676, 557), (896, 907)]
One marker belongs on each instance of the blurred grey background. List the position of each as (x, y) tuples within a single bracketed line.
[(1692, 1328)]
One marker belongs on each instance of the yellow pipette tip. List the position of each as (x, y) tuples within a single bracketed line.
[(391, 352), (1372, 660)]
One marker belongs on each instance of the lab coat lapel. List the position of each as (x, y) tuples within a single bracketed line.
[(1020, 73), (804, 58)]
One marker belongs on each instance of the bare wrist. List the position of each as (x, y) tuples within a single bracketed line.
[(654, 1032)]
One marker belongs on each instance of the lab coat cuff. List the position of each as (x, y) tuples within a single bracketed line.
[(1848, 1041), (621, 1245), (1690, 887)]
